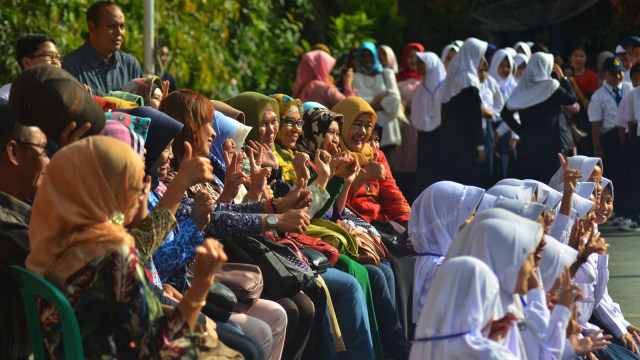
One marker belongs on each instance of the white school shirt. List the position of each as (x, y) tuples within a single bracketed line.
[(624, 115), (382, 83), (603, 106)]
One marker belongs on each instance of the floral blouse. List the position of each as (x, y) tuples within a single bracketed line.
[(120, 318)]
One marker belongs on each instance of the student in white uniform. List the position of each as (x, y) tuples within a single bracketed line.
[(627, 122), (436, 217), (466, 294)]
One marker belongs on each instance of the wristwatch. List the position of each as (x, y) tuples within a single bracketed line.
[(272, 220)]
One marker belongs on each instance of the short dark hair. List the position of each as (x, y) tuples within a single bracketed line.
[(636, 45), (161, 42), (539, 47), (29, 44), (93, 12), (634, 69), (10, 128)]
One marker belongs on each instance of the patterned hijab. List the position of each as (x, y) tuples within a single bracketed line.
[(117, 130), (253, 105), (143, 87), (73, 225), (316, 124), (405, 73), (138, 124), (376, 68), (351, 107), (285, 155)]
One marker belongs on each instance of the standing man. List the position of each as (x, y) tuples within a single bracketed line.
[(31, 50), (99, 63)]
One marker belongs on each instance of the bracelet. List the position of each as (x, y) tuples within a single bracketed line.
[(194, 304), (278, 205), (271, 208)]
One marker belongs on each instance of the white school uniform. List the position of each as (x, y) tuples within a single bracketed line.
[(603, 106), (425, 108)]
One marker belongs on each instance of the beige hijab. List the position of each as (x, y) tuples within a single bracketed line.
[(351, 107), (78, 210)]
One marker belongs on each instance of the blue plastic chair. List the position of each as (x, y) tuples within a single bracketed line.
[(32, 286)]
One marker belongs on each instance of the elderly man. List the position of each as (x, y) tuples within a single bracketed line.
[(31, 50), (23, 159), (99, 63)]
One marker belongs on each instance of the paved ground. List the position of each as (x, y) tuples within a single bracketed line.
[(624, 270)]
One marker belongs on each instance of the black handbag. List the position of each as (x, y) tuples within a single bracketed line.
[(220, 302), (317, 261), (283, 272)]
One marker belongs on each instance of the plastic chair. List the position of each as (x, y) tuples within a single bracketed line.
[(32, 286)]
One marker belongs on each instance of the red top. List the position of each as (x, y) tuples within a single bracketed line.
[(381, 199), (588, 82)]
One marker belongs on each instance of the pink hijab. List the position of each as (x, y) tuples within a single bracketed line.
[(314, 66)]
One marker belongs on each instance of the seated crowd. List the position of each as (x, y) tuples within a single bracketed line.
[(149, 210)]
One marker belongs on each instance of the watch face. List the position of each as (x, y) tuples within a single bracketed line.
[(272, 219)]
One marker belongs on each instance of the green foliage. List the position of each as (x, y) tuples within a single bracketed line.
[(349, 30)]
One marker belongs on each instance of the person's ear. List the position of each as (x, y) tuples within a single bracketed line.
[(92, 26), (12, 152), (26, 62)]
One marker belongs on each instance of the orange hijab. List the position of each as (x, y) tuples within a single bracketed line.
[(78, 211), (351, 107)]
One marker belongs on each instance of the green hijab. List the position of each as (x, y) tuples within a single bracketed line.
[(253, 105)]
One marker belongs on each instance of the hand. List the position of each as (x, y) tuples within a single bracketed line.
[(171, 292), (193, 169), (569, 176), (269, 159), (330, 147), (533, 282), (88, 89), (575, 237), (209, 259), (300, 165), (348, 77), (569, 292), (634, 331), (482, 156), (321, 161), (588, 344), (558, 70), (295, 221), (70, 135), (346, 168), (259, 175), (500, 328), (165, 88), (375, 170), (299, 198), (201, 212), (267, 191), (595, 244), (486, 113), (234, 177), (629, 343)]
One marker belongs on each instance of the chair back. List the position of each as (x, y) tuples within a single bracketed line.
[(32, 286)]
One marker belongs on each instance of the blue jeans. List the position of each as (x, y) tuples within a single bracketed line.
[(351, 310)]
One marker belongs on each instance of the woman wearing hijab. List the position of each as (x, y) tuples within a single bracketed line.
[(405, 163), (436, 217), (466, 294), (379, 88), (448, 53), (461, 134), (387, 58), (522, 48), (79, 242), (537, 99), (313, 82), (520, 63), (506, 243), (150, 89), (425, 117), (117, 130)]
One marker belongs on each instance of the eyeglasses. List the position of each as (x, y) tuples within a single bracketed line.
[(290, 123), (45, 148), (49, 56)]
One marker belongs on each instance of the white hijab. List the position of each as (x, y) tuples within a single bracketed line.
[(463, 69), (446, 50), (526, 209), (465, 295), (524, 46), (508, 84), (436, 217), (606, 182), (584, 165), (583, 189), (511, 192), (542, 192), (489, 201), (536, 84), (519, 183), (555, 257), (581, 205), (521, 58), (392, 62), (425, 108)]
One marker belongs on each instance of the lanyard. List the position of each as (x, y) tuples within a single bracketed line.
[(614, 96), (443, 337), (429, 254)]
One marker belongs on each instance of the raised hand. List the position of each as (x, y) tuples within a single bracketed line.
[(330, 147), (193, 169), (569, 293), (234, 177), (71, 134), (374, 170), (300, 161), (569, 176), (209, 259), (259, 175), (500, 328), (322, 162), (299, 198), (201, 212), (346, 168), (268, 159)]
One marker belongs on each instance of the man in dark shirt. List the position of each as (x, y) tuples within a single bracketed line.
[(23, 158), (99, 63)]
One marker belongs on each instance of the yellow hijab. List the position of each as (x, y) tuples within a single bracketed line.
[(79, 208), (351, 107)]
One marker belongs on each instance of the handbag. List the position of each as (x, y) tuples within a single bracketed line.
[(220, 302), (283, 273), (317, 261), (394, 236), (335, 236), (370, 249), (245, 280), (306, 241)]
